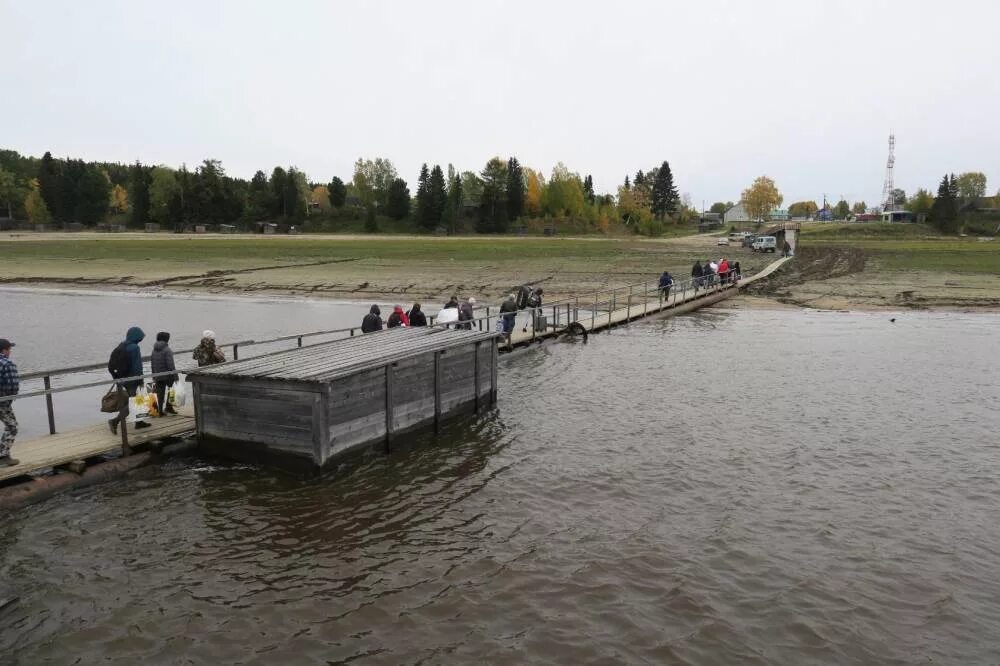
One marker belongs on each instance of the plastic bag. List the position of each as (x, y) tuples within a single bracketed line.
[(177, 395), (139, 405)]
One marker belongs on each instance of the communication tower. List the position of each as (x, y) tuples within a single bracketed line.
[(888, 200)]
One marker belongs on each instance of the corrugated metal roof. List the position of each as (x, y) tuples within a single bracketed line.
[(328, 360)]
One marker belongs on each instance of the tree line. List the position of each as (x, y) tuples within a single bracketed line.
[(490, 200)]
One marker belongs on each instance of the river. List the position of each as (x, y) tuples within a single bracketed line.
[(732, 486)]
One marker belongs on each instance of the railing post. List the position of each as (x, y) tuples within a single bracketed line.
[(300, 341), (576, 309), (593, 312), (628, 305), (645, 298), (126, 449), (48, 405), (352, 332), (236, 352)]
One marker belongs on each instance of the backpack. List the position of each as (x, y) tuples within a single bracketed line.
[(118, 364)]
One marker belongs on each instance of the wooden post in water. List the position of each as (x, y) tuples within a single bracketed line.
[(476, 380), (493, 378), (628, 305), (389, 404), (437, 391), (645, 298)]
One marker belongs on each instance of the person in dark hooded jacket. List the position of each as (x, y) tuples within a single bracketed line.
[(133, 337), (417, 316), (696, 273), (666, 281), (162, 360), (372, 321)]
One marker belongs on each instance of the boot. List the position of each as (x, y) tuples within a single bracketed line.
[(141, 424), (113, 425), (7, 461)]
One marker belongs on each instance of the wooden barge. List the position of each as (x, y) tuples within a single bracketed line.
[(310, 405)]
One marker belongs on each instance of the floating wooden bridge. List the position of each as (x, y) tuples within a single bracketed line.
[(319, 400)]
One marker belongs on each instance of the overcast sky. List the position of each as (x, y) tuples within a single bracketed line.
[(803, 91)]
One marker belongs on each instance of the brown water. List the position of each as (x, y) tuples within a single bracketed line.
[(729, 487)]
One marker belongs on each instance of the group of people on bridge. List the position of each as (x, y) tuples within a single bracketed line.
[(459, 314), (125, 365), (715, 272)]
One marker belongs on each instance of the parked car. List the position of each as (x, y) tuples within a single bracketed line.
[(748, 240), (765, 244), (723, 241)]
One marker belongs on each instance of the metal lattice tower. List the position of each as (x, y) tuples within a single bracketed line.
[(888, 200)]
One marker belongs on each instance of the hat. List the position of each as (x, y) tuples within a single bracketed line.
[(208, 334), (6, 344), (472, 301)]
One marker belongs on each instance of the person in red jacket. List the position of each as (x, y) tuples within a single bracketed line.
[(723, 271)]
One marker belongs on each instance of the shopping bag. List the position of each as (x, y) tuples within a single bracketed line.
[(111, 402), (499, 327), (138, 406), (177, 395)]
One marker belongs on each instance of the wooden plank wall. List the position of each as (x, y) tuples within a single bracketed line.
[(280, 417), (357, 404)]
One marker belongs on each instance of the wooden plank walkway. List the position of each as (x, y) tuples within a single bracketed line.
[(51, 450)]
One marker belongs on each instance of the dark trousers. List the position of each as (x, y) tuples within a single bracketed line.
[(161, 396)]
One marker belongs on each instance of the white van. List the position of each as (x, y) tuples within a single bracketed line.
[(764, 244)]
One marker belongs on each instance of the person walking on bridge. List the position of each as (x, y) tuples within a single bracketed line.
[(10, 385), (724, 271), (666, 281), (372, 321), (508, 313), (696, 275), (126, 361), (466, 313), (162, 360), (417, 316), (207, 353), (397, 318)]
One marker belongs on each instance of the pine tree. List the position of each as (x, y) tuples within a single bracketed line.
[(628, 186), (398, 204), (640, 178), (437, 197), (138, 193), (337, 191), (93, 192), (50, 185), (944, 211), (663, 199), (294, 195), (515, 189), (424, 212), (588, 188), (453, 208), (258, 197), (277, 187)]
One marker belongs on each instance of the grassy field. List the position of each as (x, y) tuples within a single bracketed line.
[(353, 266)]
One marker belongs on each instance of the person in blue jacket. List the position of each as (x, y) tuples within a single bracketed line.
[(666, 281), (133, 337)]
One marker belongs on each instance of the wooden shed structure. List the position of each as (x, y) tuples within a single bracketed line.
[(306, 406)]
